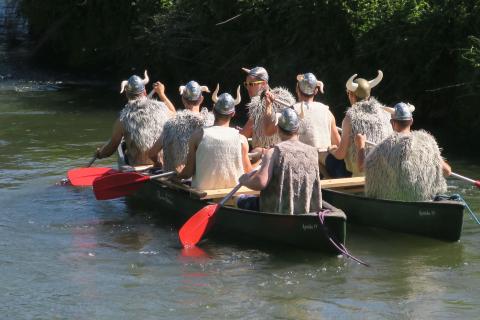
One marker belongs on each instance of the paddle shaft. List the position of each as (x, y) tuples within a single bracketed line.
[(460, 177), (162, 175), (89, 164)]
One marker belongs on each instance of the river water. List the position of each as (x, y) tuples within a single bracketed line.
[(65, 255)]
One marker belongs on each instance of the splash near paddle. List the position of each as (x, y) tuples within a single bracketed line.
[(84, 177)]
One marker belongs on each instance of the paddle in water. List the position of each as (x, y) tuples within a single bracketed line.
[(122, 184), (84, 177), (192, 231)]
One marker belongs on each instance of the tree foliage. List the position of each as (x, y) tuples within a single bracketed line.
[(429, 50)]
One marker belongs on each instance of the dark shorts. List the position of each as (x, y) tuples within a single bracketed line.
[(336, 168), (248, 202)]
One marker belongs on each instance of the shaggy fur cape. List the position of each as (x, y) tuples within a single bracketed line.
[(294, 187), (177, 133), (367, 117), (143, 121), (405, 167), (256, 111)]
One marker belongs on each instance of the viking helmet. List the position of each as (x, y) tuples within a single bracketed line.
[(289, 120), (307, 83), (225, 104), (192, 91), (257, 72), (361, 87), (401, 111), (134, 85)]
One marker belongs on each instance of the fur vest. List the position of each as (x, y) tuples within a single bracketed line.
[(256, 111), (405, 167), (366, 117)]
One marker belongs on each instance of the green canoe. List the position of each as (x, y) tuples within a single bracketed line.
[(435, 219), (181, 202)]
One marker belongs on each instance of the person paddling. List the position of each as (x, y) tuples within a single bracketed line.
[(140, 123), (289, 178), (217, 155), (365, 116), (257, 82), (178, 130), (407, 165)]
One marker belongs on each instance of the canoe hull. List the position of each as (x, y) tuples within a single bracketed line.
[(303, 231), (439, 219)]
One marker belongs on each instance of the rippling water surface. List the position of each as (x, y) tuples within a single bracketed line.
[(66, 255)]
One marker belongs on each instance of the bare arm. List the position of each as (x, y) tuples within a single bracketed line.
[(155, 150), (341, 152), (247, 129), (335, 136), (160, 90), (260, 179), (111, 146), (189, 169), (247, 166), (269, 119), (447, 170), (360, 146)]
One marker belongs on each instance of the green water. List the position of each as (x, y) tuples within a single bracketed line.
[(65, 255)]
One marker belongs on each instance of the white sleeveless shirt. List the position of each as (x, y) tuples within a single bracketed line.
[(316, 127), (218, 159)]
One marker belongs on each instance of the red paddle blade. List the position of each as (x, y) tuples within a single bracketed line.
[(192, 231), (83, 177), (117, 185), (477, 183)]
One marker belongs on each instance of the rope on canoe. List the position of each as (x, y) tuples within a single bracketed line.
[(339, 246), (457, 197)]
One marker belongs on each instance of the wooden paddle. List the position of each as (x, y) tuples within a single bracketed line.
[(192, 231), (121, 184), (456, 175), (83, 177)]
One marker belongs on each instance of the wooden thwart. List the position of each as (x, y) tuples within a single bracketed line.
[(326, 184)]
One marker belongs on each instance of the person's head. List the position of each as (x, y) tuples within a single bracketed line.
[(359, 89), (308, 86), (224, 104), (256, 80), (402, 118), (288, 123), (134, 87), (192, 94)]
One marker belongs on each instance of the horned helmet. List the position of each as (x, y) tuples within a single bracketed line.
[(224, 104), (192, 91), (360, 87), (289, 120), (307, 83), (134, 85)]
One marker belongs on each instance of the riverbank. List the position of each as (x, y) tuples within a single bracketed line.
[(428, 51)]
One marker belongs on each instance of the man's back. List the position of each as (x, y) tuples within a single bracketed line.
[(405, 167), (218, 158), (294, 187), (142, 121)]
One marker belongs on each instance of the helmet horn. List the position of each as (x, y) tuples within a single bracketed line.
[(205, 89), (214, 94), (122, 85), (238, 99), (376, 81), (320, 86), (146, 79), (352, 86), (181, 89)]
